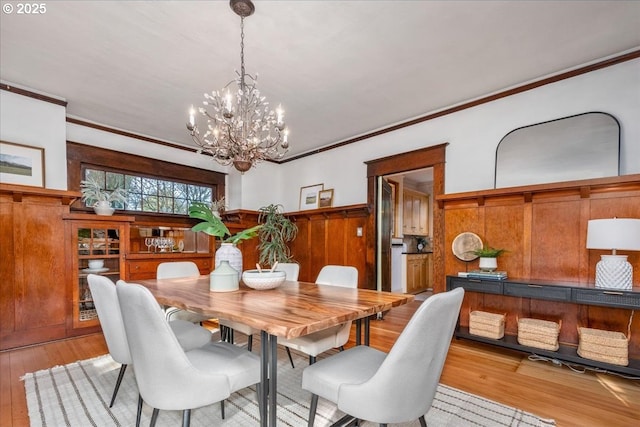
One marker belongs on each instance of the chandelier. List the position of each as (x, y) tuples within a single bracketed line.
[(241, 128)]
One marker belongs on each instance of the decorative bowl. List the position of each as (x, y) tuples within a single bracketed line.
[(263, 279)]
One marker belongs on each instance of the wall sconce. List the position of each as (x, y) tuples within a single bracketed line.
[(614, 271)]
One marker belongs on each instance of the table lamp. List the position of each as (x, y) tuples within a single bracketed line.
[(614, 271)]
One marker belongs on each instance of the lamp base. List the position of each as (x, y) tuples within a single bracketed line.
[(614, 272)]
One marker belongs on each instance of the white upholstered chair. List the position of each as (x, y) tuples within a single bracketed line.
[(397, 387), (105, 299), (179, 269), (168, 377), (336, 336), (291, 270)]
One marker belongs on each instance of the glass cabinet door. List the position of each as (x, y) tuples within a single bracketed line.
[(98, 252)]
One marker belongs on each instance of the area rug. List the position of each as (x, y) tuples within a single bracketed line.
[(78, 394)]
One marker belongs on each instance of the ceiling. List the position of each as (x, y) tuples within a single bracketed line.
[(339, 68)]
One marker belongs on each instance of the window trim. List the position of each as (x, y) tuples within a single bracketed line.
[(80, 156)]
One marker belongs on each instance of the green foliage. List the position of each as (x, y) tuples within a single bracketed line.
[(488, 252), (277, 230), (92, 192), (213, 226)]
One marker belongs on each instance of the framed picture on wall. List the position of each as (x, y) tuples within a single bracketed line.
[(21, 164), (325, 198), (309, 196)]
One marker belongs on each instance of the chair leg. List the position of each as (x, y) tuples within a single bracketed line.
[(123, 368), (250, 342), (290, 358), (154, 417), (312, 360), (222, 409), (312, 409), (423, 422), (139, 413), (186, 418)]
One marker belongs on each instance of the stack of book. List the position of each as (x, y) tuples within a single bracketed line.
[(491, 275)]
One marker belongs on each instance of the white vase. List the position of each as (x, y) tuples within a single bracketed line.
[(488, 264), (103, 208), (224, 278), (229, 252)]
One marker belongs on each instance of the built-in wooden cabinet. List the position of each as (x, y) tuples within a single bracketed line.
[(418, 272), (35, 299), (93, 238), (415, 213)]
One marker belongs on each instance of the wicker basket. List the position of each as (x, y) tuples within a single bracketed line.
[(603, 346), (488, 325), (539, 333)]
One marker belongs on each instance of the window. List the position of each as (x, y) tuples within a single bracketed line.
[(151, 194)]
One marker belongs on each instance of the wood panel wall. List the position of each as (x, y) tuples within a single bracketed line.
[(35, 299), (544, 230), (325, 236)]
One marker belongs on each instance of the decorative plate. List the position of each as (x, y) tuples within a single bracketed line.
[(464, 244)]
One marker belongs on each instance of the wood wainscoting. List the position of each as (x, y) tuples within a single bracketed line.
[(544, 230)]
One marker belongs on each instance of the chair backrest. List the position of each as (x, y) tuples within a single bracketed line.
[(413, 365), (338, 275), (105, 299), (291, 270), (170, 270), (166, 378)]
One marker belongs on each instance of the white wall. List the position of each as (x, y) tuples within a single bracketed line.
[(473, 135), (113, 141), (27, 121)]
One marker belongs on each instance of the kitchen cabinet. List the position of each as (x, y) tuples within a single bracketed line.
[(93, 238), (415, 213), (418, 272)]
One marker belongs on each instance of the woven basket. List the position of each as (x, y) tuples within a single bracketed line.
[(488, 325), (603, 346), (539, 333)]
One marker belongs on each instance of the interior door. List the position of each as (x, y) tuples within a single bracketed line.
[(385, 224)]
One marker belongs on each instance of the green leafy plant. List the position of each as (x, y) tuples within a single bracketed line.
[(92, 193), (277, 230), (213, 226), (488, 252)]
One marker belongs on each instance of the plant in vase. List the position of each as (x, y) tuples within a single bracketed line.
[(100, 199), (276, 231), (488, 257), (212, 225)]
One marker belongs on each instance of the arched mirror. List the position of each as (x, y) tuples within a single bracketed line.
[(583, 146)]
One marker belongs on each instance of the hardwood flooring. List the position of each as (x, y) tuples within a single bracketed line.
[(549, 391)]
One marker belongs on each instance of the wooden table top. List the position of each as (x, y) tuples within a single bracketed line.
[(291, 310)]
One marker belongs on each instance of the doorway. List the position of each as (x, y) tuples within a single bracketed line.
[(430, 157)]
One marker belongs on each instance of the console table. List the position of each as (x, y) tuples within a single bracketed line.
[(562, 292)]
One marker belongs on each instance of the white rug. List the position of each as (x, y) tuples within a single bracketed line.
[(78, 394)]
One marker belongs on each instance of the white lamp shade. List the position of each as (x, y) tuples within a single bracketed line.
[(614, 233)]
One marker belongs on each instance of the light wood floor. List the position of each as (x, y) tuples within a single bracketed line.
[(549, 391)]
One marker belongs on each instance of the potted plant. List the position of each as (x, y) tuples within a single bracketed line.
[(276, 231), (212, 225), (100, 199), (488, 255)]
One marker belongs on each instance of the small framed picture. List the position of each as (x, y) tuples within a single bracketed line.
[(309, 196), (21, 164), (325, 198)]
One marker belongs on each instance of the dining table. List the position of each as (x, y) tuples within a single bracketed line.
[(291, 310)]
